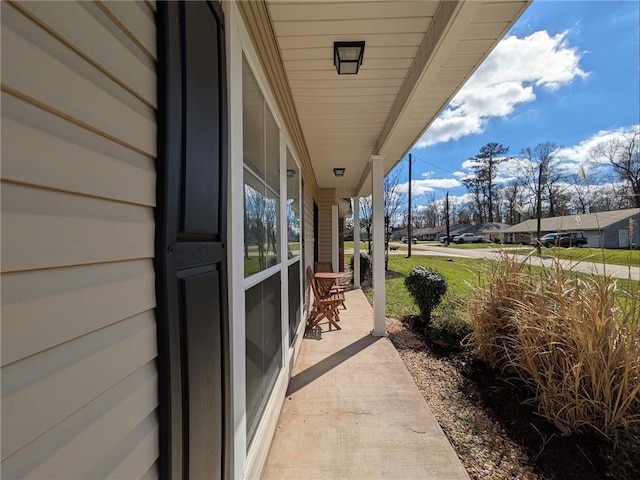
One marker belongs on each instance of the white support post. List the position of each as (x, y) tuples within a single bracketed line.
[(334, 238), (356, 242), (377, 164)]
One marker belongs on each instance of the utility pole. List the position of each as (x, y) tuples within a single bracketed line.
[(446, 217), (539, 206), (409, 226)]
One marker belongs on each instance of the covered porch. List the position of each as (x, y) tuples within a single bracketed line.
[(353, 411), (351, 129)]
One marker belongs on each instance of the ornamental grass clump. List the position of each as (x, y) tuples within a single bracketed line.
[(574, 340), (427, 287)]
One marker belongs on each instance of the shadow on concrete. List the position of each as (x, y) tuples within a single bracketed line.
[(314, 333), (314, 372)]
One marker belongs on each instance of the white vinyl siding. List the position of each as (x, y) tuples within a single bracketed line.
[(79, 375)]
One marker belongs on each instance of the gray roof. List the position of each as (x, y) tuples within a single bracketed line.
[(488, 227), (585, 221)]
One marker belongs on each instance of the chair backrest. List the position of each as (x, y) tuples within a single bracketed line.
[(318, 298), (312, 281), (323, 267)]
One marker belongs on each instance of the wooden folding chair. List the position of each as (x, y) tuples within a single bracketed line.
[(323, 306), (336, 289)]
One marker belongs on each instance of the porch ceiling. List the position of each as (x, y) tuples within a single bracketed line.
[(417, 55)]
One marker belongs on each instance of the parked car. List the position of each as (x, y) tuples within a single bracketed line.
[(443, 238), (469, 238), (406, 240), (564, 239)]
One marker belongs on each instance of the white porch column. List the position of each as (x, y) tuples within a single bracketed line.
[(335, 241), (377, 168), (356, 242)]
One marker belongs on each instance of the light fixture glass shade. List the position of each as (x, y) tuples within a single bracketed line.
[(347, 57), (339, 172)]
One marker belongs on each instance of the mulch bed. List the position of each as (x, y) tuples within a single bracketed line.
[(495, 434)]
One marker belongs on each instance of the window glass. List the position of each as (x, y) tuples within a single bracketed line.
[(294, 300), (263, 346), (261, 143), (293, 207)]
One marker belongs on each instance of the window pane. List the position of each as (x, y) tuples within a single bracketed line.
[(272, 142), (293, 207), (294, 299), (263, 346), (261, 140), (261, 220), (253, 130)]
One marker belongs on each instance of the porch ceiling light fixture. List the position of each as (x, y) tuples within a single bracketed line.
[(347, 57), (339, 172)]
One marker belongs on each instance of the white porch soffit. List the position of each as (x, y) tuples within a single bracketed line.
[(417, 56)]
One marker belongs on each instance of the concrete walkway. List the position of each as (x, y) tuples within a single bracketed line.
[(353, 411)]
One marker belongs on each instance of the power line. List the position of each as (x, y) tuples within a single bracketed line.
[(434, 165)]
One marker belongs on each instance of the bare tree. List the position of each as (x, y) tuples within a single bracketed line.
[(513, 195), (478, 208), (366, 219), (394, 207), (482, 182), (623, 155), (538, 167), (428, 214)]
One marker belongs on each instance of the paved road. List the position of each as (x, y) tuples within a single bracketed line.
[(617, 271)]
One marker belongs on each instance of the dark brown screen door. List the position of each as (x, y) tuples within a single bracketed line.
[(191, 240)]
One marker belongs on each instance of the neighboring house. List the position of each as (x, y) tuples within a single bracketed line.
[(611, 229), (169, 170), (490, 230)]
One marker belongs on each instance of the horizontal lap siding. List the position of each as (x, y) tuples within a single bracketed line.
[(79, 377)]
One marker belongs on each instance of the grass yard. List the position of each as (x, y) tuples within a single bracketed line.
[(461, 275), (349, 246), (597, 255)]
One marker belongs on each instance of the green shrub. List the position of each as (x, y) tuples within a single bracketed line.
[(449, 325), (365, 265), (427, 288)]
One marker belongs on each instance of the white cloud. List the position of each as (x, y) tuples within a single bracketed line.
[(509, 77), (579, 154), (420, 187)]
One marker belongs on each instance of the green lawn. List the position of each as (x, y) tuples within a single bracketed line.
[(349, 245), (462, 276), (598, 255)]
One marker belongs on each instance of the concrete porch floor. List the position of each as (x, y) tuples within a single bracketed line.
[(353, 411)]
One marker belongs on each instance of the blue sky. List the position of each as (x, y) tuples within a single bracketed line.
[(567, 72)]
